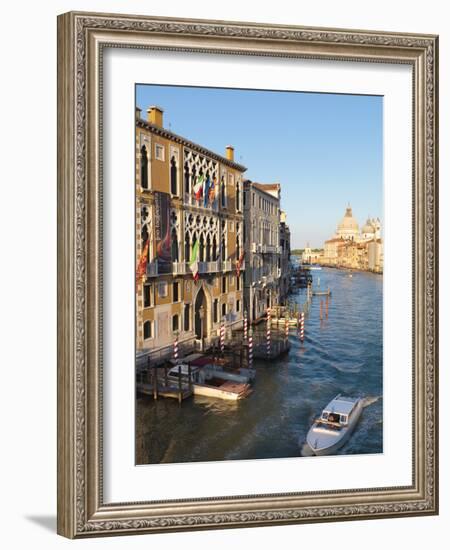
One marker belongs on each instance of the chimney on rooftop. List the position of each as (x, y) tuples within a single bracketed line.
[(155, 115), (230, 152), (138, 113)]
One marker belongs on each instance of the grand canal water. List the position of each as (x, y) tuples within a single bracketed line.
[(340, 354)]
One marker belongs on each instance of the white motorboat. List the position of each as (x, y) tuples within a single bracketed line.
[(335, 425)]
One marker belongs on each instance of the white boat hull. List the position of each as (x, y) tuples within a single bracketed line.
[(217, 393), (324, 441)]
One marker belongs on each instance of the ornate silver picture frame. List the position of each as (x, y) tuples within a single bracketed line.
[(82, 41)]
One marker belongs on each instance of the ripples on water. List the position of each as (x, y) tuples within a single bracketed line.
[(341, 354)]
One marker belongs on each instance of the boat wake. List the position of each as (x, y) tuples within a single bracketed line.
[(305, 449), (370, 400)]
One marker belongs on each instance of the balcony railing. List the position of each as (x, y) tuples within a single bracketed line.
[(190, 200), (270, 249), (181, 268), (265, 248), (152, 269)]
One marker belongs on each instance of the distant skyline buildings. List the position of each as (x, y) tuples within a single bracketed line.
[(326, 150)]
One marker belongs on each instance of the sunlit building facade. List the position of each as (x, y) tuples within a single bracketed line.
[(189, 239)]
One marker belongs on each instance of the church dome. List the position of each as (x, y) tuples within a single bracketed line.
[(348, 223), (368, 228)]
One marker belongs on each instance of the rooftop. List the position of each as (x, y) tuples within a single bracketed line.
[(269, 188), (158, 130)]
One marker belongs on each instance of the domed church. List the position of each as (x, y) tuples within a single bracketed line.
[(371, 229), (348, 229)]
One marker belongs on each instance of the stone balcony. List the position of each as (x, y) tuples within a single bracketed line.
[(182, 268)]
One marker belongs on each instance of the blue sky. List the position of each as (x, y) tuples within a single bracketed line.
[(324, 149)]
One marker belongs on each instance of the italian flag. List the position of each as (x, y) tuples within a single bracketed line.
[(193, 264), (198, 187)]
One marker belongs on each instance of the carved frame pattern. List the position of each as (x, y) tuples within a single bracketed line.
[(81, 511)]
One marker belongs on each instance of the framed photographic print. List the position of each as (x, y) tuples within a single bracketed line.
[(247, 282)]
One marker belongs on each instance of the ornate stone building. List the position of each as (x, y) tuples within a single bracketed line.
[(189, 239), (285, 258), (262, 247)]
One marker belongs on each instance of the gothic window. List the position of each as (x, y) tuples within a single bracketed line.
[(144, 168), (187, 246), (224, 251), (174, 245), (238, 196), (175, 323), (202, 248), (208, 248), (173, 176), (147, 295), (187, 183), (214, 249), (222, 192), (187, 310), (176, 291)]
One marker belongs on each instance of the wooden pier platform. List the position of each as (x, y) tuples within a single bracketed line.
[(171, 392)]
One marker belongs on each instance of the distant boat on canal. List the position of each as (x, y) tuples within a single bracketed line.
[(326, 292), (335, 425)]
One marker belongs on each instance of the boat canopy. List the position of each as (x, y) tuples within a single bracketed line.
[(341, 405)]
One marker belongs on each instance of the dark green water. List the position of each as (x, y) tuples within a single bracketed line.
[(341, 354)]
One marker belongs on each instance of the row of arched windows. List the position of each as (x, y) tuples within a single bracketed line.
[(190, 176)]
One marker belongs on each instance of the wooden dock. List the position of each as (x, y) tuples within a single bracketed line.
[(171, 392), (149, 383)]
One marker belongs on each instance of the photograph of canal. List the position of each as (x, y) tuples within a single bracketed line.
[(259, 274)]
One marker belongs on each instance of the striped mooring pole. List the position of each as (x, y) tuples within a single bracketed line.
[(286, 328), (302, 326), (245, 326), (250, 348), (175, 349), (222, 336), (268, 332)]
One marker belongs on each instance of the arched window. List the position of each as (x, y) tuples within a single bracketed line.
[(202, 248), (224, 251), (187, 247), (222, 191), (144, 168), (238, 196), (147, 330), (174, 245), (187, 183), (208, 248), (214, 249), (173, 176)]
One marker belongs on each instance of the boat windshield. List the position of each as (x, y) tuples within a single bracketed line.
[(334, 417)]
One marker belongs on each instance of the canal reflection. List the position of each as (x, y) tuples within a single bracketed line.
[(341, 353)]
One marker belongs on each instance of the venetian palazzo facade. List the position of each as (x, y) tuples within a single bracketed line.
[(262, 247), (189, 234), (285, 258)]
